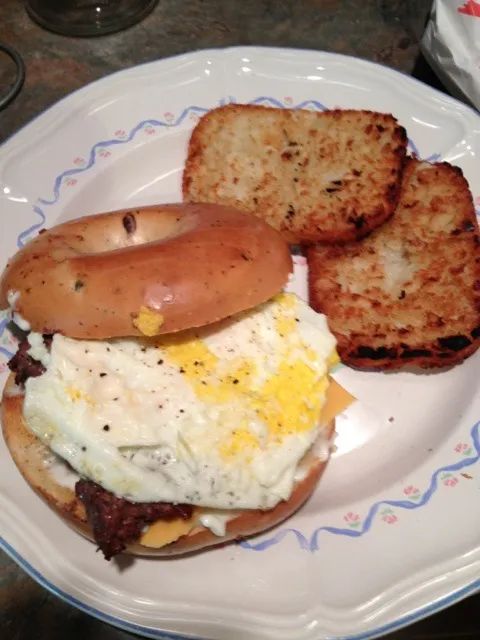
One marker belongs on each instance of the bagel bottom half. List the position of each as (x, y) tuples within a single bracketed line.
[(164, 537)]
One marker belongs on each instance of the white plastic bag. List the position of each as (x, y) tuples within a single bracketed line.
[(451, 45)]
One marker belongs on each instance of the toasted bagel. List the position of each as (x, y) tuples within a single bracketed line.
[(31, 458), (145, 271)]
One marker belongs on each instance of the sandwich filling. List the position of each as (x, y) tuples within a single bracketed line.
[(217, 417)]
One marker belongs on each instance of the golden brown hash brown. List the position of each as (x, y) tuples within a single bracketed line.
[(410, 292), (331, 176)]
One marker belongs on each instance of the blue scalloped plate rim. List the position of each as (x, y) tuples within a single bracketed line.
[(442, 603)]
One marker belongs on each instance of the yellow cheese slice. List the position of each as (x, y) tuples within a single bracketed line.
[(338, 399), (162, 532)]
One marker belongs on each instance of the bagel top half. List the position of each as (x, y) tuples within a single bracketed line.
[(144, 271)]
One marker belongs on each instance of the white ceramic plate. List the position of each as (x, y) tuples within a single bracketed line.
[(392, 534)]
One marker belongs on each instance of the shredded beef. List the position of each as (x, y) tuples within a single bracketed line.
[(47, 340), (116, 522), (23, 365)]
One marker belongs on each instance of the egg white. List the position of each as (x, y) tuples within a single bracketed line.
[(210, 417)]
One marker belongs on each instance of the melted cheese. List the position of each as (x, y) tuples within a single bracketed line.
[(163, 532), (338, 399)]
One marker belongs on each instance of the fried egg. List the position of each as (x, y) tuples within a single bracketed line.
[(217, 417)]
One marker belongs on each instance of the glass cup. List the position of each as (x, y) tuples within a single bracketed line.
[(88, 17)]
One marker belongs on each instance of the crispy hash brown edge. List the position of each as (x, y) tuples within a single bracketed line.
[(443, 352), (308, 231)]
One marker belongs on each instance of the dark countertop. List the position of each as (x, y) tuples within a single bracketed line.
[(385, 31), (381, 30)]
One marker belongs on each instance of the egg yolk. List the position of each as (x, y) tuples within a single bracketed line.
[(289, 401), (148, 321)]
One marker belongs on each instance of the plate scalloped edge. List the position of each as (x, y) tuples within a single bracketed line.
[(304, 543), (66, 177), (442, 603)]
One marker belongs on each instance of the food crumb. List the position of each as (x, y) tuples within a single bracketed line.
[(467, 476), (391, 419)]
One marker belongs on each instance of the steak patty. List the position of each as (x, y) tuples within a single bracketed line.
[(116, 522), (23, 365)]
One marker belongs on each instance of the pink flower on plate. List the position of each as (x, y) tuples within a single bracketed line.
[(9, 340), (412, 492), (464, 449), (79, 161), (104, 153), (168, 115), (352, 519), (71, 182), (390, 518), (288, 100), (194, 117), (149, 130), (408, 491), (450, 482)]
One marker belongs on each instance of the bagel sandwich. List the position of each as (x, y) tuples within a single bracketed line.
[(177, 399)]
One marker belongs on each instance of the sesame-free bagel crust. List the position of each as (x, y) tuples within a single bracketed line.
[(192, 264)]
